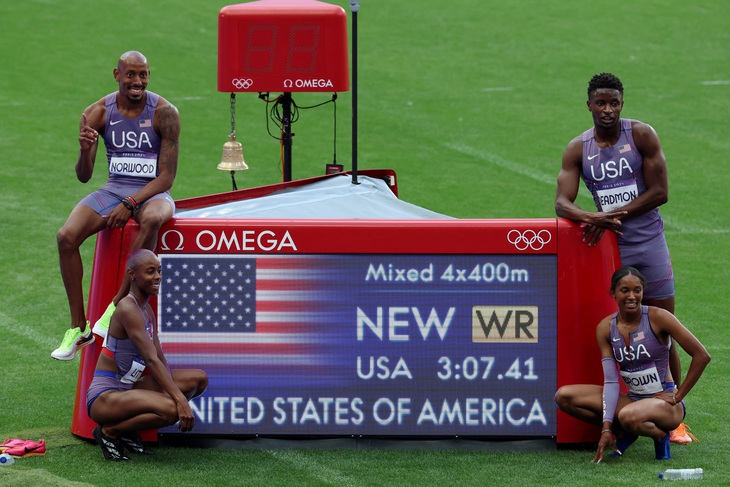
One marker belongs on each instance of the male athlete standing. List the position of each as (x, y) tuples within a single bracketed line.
[(622, 164), (141, 132)]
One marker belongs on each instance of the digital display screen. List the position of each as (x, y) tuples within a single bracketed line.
[(300, 48), (280, 45), (365, 344)]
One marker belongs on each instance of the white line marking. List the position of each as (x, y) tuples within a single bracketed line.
[(499, 88), (306, 463), (677, 228), (521, 169), (715, 83), (10, 325)]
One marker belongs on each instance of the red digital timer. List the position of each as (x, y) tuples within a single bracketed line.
[(282, 46)]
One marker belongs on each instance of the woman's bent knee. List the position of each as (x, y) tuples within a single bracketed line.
[(562, 397), (201, 380)]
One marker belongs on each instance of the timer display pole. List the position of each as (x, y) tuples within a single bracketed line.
[(354, 7), (286, 102)]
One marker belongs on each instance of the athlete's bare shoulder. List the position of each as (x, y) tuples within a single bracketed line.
[(164, 104), (96, 114), (166, 112), (573, 153), (645, 137), (642, 129)]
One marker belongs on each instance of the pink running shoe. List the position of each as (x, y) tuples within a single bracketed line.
[(29, 449), (12, 443)]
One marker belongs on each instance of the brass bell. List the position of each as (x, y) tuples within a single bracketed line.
[(232, 159)]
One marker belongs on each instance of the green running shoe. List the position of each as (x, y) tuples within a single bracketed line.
[(73, 340), (101, 327)]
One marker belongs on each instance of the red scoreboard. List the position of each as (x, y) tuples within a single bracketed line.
[(283, 46), (430, 327)]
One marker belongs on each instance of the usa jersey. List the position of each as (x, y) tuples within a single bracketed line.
[(615, 178), (132, 146), (644, 361)]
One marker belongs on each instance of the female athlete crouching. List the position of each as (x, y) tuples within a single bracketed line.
[(635, 342), (133, 387)]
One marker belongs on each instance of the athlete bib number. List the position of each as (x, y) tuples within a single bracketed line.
[(135, 372), (617, 196), (132, 165), (643, 382)]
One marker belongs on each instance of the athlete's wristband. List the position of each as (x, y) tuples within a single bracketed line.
[(130, 204)]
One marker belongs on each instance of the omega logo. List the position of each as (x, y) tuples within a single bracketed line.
[(176, 236), (226, 241), (308, 83)]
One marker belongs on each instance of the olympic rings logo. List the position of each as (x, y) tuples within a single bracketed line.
[(529, 239), (242, 83)]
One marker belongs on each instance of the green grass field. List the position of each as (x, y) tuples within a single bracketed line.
[(471, 102)]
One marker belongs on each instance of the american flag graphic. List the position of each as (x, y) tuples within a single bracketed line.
[(203, 295), (624, 148), (261, 311), (145, 123)]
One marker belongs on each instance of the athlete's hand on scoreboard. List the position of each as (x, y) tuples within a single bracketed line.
[(592, 234), (600, 222)]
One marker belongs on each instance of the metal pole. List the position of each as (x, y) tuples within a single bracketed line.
[(286, 128), (354, 7)]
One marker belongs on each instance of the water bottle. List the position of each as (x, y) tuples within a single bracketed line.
[(6, 460), (681, 474)]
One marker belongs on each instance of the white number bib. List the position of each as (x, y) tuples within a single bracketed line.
[(133, 166), (617, 196), (135, 372), (643, 382)]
